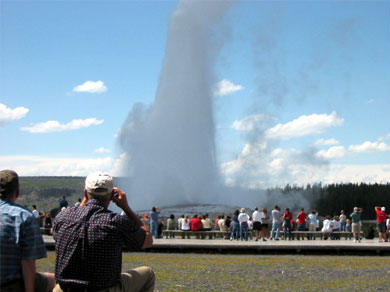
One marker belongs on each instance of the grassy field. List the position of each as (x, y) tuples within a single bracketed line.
[(203, 272)]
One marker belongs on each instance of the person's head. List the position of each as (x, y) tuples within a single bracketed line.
[(243, 210), (48, 215), (172, 216), (287, 209), (257, 209), (336, 218), (276, 207), (204, 217), (302, 209), (264, 210), (99, 186), (79, 200), (195, 216), (63, 197), (34, 207), (9, 185), (355, 209), (154, 209), (348, 221), (342, 212), (327, 217), (383, 209), (182, 216), (236, 212), (313, 211)]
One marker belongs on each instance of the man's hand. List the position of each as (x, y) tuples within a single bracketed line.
[(119, 198)]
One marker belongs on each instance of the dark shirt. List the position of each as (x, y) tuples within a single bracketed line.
[(89, 244), (63, 203), (235, 218)]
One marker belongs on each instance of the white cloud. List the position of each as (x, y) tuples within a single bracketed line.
[(102, 150), (57, 166), (369, 147), (304, 126), (91, 87), (326, 142), (55, 126), (331, 153), (249, 123), (226, 87), (8, 115)]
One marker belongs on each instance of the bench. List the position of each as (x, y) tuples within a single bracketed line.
[(200, 234), (345, 234)]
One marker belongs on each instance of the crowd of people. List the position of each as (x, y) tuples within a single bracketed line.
[(89, 238), (274, 225)]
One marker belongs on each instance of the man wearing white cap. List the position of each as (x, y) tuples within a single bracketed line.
[(355, 218), (89, 240), (381, 222)]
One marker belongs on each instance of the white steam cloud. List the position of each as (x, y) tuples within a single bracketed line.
[(171, 143)]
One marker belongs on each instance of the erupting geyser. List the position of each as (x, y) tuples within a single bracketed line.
[(171, 143)]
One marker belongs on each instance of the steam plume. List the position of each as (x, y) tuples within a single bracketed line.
[(171, 143)]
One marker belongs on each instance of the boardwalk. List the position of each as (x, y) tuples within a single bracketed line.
[(331, 247)]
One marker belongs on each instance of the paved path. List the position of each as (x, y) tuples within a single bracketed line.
[(295, 246)]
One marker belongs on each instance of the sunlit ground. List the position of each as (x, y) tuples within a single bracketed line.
[(204, 272)]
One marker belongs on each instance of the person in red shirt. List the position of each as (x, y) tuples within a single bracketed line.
[(196, 223), (288, 216), (301, 221), (381, 222)]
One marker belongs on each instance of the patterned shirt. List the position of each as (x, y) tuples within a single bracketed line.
[(89, 243), (20, 239)]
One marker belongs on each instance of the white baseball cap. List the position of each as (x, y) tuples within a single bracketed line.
[(99, 183), (383, 209)]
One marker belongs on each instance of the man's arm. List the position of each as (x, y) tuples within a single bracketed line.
[(28, 270), (121, 201)]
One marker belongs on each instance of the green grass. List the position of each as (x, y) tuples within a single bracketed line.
[(203, 272)]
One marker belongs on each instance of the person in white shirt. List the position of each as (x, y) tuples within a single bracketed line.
[(312, 221), (257, 224), (243, 218), (327, 227), (276, 222), (35, 211), (336, 227), (179, 222)]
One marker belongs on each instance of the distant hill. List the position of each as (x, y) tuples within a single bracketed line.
[(44, 191)]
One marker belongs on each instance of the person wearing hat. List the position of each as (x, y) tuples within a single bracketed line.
[(381, 222), (355, 218), (21, 242), (89, 241), (243, 218)]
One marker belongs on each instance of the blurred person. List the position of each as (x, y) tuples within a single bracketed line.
[(185, 224), (35, 211), (327, 227), (336, 227), (195, 223), (265, 220), (276, 222), (301, 221), (62, 202), (154, 221), (312, 220), (89, 241), (257, 223), (381, 222), (370, 232), (348, 227), (206, 223), (78, 202), (21, 242), (243, 218), (287, 216), (179, 221), (343, 220), (356, 224), (235, 226), (171, 225), (221, 223)]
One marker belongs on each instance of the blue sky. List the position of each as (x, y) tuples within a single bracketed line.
[(304, 97)]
